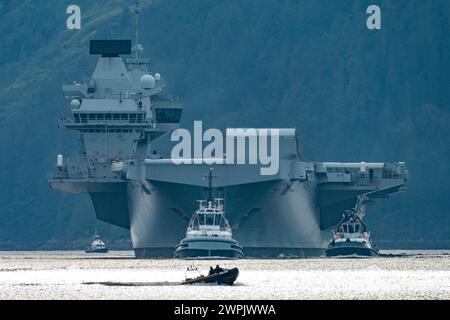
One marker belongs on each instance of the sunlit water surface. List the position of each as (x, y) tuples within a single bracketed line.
[(117, 275)]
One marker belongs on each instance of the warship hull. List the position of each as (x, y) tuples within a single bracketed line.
[(269, 222), (277, 217), (267, 218)]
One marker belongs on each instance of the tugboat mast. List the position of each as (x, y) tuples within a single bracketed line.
[(210, 177)]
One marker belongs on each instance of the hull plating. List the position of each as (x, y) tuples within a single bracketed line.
[(208, 247), (266, 218), (351, 250)]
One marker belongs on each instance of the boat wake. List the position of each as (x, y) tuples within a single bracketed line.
[(351, 256), (149, 284), (134, 284)]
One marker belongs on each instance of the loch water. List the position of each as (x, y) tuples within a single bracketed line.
[(400, 274)]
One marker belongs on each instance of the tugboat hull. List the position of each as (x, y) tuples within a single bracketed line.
[(207, 248), (351, 250)]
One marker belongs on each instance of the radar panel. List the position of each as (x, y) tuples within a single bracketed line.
[(110, 48)]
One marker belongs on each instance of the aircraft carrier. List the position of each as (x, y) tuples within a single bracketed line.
[(123, 112)]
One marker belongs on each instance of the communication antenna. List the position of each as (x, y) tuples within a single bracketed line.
[(137, 12)]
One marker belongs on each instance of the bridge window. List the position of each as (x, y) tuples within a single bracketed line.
[(128, 117), (168, 115), (83, 117)]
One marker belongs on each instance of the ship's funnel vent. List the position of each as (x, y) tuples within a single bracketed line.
[(110, 48)]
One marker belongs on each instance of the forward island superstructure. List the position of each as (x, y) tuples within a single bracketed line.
[(123, 112)]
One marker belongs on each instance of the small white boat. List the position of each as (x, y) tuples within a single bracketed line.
[(97, 246)]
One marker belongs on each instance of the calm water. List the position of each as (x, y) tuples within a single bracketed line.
[(75, 275)]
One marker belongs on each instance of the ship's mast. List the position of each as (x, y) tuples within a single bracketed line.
[(137, 12)]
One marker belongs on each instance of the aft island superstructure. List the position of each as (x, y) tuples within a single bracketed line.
[(124, 112)]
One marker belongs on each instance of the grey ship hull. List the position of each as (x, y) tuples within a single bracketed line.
[(286, 215), (270, 225), (276, 217)]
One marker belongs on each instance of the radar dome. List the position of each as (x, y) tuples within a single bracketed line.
[(75, 103), (157, 76), (147, 82)]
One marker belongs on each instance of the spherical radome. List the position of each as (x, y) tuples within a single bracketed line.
[(75, 103), (147, 82)]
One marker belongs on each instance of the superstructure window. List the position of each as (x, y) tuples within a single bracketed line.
[(168, 115), (126, 117)]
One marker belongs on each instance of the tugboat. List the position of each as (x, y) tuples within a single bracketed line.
[(217, 275), (351, 238), (209, 234), (97, 246)]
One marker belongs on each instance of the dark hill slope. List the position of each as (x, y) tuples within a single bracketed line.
[(354, 94)]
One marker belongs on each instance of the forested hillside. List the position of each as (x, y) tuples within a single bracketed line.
[(354, 95)]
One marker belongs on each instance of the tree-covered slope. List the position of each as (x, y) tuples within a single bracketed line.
[(354, 94)]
